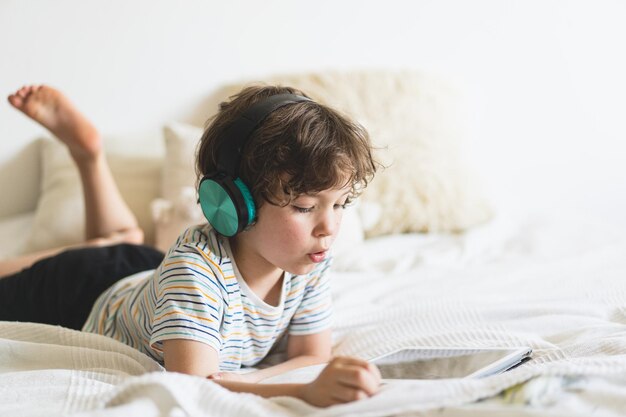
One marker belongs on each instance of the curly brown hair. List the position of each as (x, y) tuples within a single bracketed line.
[(302, 148)]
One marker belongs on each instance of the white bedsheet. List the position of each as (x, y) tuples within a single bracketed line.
[(556, 283)]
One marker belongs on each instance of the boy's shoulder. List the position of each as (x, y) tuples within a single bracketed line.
[(201, 239)]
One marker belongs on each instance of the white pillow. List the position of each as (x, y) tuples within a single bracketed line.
[(179, 163), (416, 121), (171, 217), (60, 214), (179, 209)]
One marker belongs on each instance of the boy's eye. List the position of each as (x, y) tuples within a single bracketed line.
[(303, 209), (344, 204), (309, 209)]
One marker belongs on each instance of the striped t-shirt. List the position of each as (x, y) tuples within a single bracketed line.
[(198, 294)]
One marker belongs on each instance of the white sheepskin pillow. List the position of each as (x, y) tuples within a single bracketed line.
[(60, 215), (178, 209), (415, 120)]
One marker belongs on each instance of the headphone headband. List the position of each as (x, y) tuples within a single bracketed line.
[(237, 134)]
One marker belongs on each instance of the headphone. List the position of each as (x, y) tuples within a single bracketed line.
[(225, 200)]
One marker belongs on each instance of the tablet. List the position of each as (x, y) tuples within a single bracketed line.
[(449, 362)]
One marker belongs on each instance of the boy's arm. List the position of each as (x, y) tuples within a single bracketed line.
[(302, 351), (196, 358), (343, 380)]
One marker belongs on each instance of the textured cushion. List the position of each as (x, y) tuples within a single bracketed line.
[(415, 120), (60, 214)]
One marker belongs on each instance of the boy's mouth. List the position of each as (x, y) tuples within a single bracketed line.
[(317, 256)]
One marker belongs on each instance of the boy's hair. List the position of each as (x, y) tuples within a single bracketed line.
[(302, 148)]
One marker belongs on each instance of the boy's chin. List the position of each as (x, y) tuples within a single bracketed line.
[(302, 269)]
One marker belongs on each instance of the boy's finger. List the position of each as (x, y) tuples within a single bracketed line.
[(359, 378), (349, 360), (375, 371), (347, 394)]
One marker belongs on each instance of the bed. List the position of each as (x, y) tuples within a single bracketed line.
[(438, 265), (519, 280)]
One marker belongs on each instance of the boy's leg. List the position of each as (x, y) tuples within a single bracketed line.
[(108, 219), (11, 266), (62, 289)]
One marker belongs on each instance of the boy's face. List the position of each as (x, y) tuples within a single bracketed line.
[(293, 238)]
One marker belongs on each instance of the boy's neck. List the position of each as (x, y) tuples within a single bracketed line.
[(254, 269)]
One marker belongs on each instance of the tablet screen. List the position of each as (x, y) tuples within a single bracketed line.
[(437, 363)]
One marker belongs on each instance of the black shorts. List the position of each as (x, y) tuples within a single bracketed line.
[(62, 289)]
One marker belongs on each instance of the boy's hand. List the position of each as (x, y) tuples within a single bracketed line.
[(342, 380)]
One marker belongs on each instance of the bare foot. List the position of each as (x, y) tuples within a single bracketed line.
[(51, 109)]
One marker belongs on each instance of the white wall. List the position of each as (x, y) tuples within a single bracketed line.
[(546, 77)]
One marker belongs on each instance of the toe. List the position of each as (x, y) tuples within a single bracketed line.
[(16, 101), (24, 91)]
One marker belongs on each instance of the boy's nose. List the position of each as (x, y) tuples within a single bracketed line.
[(328, 224)]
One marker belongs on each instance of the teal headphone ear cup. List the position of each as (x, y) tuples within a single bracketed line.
[(247, 197), (218, 207), (227, 205)]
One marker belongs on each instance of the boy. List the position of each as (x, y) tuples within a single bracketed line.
[(276, 170)]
